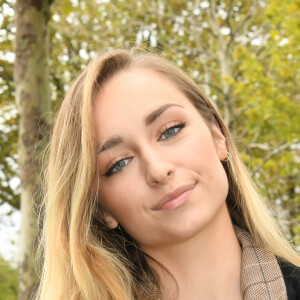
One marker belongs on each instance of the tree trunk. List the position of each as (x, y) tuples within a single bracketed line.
[(225, 64), (33, 101)]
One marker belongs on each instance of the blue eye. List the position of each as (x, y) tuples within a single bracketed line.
[(172, 131), (118, 166), (166, 134)]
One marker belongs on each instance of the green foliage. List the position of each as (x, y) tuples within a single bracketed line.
[(270, 132), (9, 192), (8, 281)]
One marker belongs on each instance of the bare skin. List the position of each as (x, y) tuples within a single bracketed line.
[(206, 267)]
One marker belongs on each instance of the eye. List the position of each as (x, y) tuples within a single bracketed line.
[(118, 166), (171, 131)]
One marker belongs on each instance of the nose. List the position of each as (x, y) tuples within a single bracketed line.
[(158, 167)]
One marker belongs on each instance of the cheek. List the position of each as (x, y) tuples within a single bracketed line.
[(198, 150), (119, 196), (199, 155)]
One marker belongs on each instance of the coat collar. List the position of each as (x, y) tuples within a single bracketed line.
[(261, 277)]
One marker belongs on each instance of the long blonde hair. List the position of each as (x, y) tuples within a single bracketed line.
[(82, 258)]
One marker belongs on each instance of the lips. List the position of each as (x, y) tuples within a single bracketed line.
[(175, 198)]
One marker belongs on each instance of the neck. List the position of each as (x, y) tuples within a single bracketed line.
[(207, 266)]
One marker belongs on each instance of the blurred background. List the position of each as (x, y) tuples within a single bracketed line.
[(244, 54)]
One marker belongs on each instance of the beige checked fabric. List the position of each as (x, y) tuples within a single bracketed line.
[(261, 277)]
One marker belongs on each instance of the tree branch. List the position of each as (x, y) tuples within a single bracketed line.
[(256, 34), (229, 11), (212, 86), (213, 34), (248, 17), (233, 33), (278, 178), (271, 154), (212, 18)]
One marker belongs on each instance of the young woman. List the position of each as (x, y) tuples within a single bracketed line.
[(147, 197)]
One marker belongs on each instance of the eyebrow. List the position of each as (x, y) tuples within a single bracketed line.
[(116, 140), (156, 113)]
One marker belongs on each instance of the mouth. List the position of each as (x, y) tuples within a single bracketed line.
[(175, 198)]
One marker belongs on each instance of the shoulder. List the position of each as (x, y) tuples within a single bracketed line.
[(291, 276)]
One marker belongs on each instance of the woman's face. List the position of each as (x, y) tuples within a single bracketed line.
[(161, 177)]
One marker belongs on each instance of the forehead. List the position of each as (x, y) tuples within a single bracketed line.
[(137, 88), (131, 94)]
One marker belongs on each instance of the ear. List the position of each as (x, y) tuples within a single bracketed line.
[(219, 140), (110, 221)]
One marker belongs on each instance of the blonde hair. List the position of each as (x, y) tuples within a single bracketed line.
[(82, 258)]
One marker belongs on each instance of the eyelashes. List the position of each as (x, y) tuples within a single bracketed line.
[(169, 131), (118, 166)]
